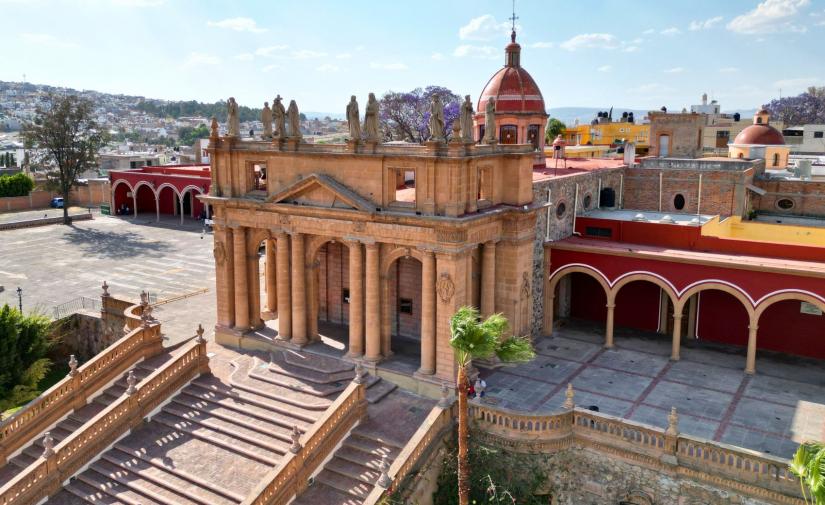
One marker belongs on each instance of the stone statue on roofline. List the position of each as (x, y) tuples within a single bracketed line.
[(353, 119), (279, 114), (436, 119), (466, 120), (371, 119), (490, 121), (294, 118), (233, 122), (266, 119)]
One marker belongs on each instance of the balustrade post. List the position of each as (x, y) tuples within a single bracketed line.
[(672, 432)]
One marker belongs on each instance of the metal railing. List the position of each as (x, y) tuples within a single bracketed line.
[(73, 306)]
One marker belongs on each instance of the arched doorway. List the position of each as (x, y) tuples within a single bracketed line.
[(578, 294), (792, 323), (145, 200), (639, 305), (331, 278), (190, 206), (168, 200), (404, 283), (123, 201)]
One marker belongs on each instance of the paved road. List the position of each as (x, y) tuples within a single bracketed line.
[(55, 264)]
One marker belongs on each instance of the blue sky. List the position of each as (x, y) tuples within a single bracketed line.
[(632, 53)]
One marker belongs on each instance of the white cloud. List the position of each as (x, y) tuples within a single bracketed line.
[(343, 56), (467, 50), (269, 50), (388, 66), (797, 83), (674, 70), (245, 57), (438, 56), (327, 67), (706, 24), (484, 28), (237, 24), (605, 68), (270, 68), (590, 40), (768, 17), (728, 70), (47, 40), (139, 3), (821, 23), (198, 59), (542, 45), (306, 54), (630, 49), (671, 31), (649, 31)]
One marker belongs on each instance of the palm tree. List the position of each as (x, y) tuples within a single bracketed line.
[(471, 339), (808, 465)]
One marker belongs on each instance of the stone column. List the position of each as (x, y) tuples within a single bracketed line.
[(373, 305), (312, 300), (299, 295), (254, 283), (224, 276), (428, 313), (750, 365), (241, 285), (488, 279), (284, 295), (608, 338), (549, 301), (677, 337), (356, 300), (271, 277)]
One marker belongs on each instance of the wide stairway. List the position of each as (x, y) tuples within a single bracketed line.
[(215, 440)]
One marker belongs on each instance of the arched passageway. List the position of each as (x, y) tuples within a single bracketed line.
[(145, 201)]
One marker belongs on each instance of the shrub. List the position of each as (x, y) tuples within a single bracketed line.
[(24, 342), (15, 185)]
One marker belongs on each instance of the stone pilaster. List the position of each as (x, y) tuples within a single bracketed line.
[(450, 288), (241, 284), (271, 277), (356, 300), (299, 294), (224, 276), (488, 279), (428, 322), (373, 304), (284, 289)]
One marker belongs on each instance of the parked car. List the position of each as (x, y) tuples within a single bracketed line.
[(57, 202)]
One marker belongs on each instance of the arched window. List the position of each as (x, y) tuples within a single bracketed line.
[(775, 159), (561, 208)]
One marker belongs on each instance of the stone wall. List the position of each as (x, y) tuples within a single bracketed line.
[(684, 130), (808, 197)]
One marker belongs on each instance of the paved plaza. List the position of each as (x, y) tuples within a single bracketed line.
[(56, 264), (772, 411)]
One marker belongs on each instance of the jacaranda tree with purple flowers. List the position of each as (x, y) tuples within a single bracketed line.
[(807, 108), (405, 116)]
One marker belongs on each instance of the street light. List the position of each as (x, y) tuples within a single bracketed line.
[(20, 298)]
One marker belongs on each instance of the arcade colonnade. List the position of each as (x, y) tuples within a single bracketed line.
[(157, 194), (680, 301), (291, 290)]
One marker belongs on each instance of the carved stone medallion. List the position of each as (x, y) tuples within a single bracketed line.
[(219, 252), (445, 288)]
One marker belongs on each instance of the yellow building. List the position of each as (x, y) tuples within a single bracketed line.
[(609, 134)]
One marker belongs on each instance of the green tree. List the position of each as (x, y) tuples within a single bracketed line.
[(15, 185), (554, 128), (472, 339), (66, 137), (808, 465), (24, 341), (187, 135)]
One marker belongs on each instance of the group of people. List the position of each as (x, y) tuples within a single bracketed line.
[(476, 390), (124, 210)]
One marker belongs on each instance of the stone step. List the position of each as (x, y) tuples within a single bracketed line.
[(278, 364), (141, 485), (121, 493), (321, 494), (166, 478), (344, 484), (314, 389), (135, 455), (317, 363), (377, 390), (353, 470), (285, 395), (371, 460), (367, 436), (370, 447), (243, 398), (280, 430), (78, 492), (219, 439), (252, 433), (283, 415)]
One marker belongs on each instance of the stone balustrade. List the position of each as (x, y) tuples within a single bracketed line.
[(431, 430), (402, 149), (290, 476), (72, 392), (45, 476)]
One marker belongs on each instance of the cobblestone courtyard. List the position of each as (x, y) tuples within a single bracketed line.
[(56, 264), (772, 411)]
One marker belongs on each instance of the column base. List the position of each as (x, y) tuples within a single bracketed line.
[(373, 359), (750, 372), (608, 346), (269, 315), (423, 372), (354, 356)]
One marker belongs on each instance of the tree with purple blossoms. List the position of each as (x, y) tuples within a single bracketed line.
[(404, 116), (806, 108)]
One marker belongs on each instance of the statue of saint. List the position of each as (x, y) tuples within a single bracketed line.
[(233, 122), (279, 113), (436, 119), (353, 119), (371, 118), (266, 119), (294, 118), (490, 121), (466, 120)]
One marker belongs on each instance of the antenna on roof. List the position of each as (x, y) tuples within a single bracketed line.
[(513, 19)]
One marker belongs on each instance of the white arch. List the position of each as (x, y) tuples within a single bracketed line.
[(174, 190), (131, 190), (190, 187), (154, 193), (790, 291), (718, 281)]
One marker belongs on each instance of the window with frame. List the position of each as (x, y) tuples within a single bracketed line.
[(405, 306), (785, 204), (819, 135), (485, 184), (508, 134), (533, 135), (404, 180), (345, 296), (259, 177)]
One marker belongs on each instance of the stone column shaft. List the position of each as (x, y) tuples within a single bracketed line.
[(373, 305), (224, 277), (284, 294), (750, 365), (488, 279), (271, 276), (427, 314), (299, 295), (608, 337), (356, 300), (677, 337), (549, 301), (241, 284)]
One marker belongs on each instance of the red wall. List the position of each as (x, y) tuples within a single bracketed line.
[(721, 318), (167, 199), (637, 306), (784, 328), (145, 200), (587, 298)]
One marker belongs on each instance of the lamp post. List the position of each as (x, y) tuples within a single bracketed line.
[(20, 298)]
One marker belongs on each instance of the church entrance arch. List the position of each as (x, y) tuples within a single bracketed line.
[(401, 279)]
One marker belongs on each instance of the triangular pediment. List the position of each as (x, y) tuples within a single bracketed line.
[(322, 191)]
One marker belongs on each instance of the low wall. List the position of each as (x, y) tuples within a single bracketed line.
[(30, 223), (35, 200), (92, 194)]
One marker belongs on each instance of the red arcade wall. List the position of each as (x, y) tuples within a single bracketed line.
[(784, 328), (721, 318)]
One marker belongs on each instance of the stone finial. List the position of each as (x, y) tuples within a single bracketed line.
[(568, 401), (360, 373), (48, 445), (384, 479), (672, 423), (146, 316), (72, 366), (456, 138), (199, 332), (445, 401), (144, 298), (214, 127), (131, 381), (105, 288), (296, 440)]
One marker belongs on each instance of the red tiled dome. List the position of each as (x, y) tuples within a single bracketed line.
[(512, 86), (760, 134)]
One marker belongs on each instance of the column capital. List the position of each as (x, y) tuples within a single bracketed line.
[(236, 227), (427, 251), (372, 246), (753, 327), (492, 242), (611, 306), (677, 316)]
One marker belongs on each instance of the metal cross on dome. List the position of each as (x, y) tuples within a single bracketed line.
[(513, 19)]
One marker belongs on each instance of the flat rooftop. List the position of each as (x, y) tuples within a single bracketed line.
[(574, 166), (650, 217)]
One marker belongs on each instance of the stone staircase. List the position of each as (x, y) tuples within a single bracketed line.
[(76, 419), (217, 437)]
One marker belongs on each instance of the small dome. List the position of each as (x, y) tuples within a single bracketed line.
[(512, 86), (760, 134)]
